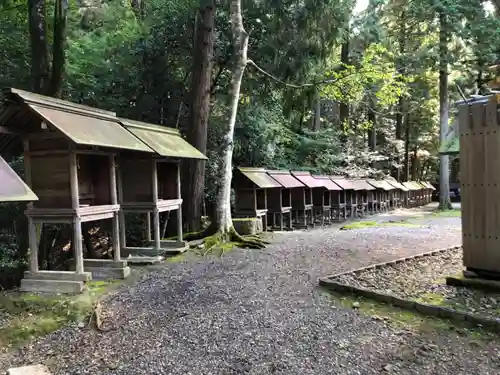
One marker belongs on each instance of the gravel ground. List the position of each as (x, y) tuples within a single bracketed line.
[(260, 312), (423, 279)]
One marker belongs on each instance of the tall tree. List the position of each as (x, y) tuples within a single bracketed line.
[(46, 80), (58, 48), (40, 69), (444, 169), (222, 222), (199, 111)]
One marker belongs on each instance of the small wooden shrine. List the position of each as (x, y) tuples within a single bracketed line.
[(70, 163), (377, 203), (385, 194), (364, 193), (413, 193), (478, 125), (429, 189), (346, 205), (303, 199), (149, 184), (251, 186), (400, 192), (12, 187), (330, 194), (279, 201), (419, 193)]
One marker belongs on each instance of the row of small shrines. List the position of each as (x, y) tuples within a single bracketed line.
[(83, 164), (288, 199)]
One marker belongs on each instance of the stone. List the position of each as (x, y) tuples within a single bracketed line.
[(52, 286), (388, 367), (29, 370), (355, 305), (248, 226), (470, 274), (108, 273)]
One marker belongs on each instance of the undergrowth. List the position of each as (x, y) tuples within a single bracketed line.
[(32, 315)]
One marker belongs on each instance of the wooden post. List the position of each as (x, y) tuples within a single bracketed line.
[(33, 246), (121, 214), (156, 213), (33, 243), (265, 208), (114, 200), (75, 203), (179, 196), (281, 208), (148, 226)]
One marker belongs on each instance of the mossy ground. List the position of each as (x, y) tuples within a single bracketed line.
[(404, 319), (34, 315), (447, 213), (375, 224)]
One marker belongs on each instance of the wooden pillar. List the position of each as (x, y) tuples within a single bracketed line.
[(33, 246), (179, 196), (148, 226), (114, 201), (156, 213), (75, 203), (33, 243), (121, 213)]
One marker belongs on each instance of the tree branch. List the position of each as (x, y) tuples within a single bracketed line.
[(326, 81)]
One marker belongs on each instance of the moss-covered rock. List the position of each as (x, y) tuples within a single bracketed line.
[(248, 226)]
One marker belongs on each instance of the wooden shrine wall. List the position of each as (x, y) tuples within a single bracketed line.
[(480, 184), (50, 180), (137, 177)]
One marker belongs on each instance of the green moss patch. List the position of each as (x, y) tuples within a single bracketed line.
[(33, 315), (447, 213), (411, 320), (375, 224)]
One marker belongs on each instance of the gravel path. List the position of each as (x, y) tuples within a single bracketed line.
[(260, 312)]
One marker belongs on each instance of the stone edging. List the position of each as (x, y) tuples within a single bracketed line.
[(422, 308)]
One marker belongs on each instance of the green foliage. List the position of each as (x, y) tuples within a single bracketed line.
[(138, 63), (375, 70), (32, 315)]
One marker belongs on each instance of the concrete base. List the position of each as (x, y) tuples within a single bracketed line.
[(145, 259), (52, 286), (29, 370), (172, 247), (105, 269), (58, 276), (108, 273), (484, 274), (166, 248)]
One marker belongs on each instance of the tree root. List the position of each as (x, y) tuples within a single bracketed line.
[(226, 240), (95, 320)]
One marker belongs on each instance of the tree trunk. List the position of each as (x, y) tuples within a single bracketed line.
[(343, 106), (444, 172), (372, 131), (58, 48), (401, 70), (222, 219), (415, 164), (407, 149), (316, 123), (39, 47), (199, 111)]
